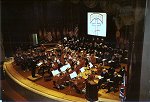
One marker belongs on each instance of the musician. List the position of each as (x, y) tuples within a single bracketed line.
[(100, 57), (113, 82), (86, 62), (43, 67), (93, 59), (42, 48), (60, 80), (116, 62), (56, 81), (107, 56), (104, 76), (17, 58), (55, 65), (49, 66), (82, 62), (28, 61), (122, 71), (78, 84), (111, 71), (62, 59)]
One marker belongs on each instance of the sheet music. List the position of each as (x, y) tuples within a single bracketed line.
[(82, 69), (91, 65), (55, 72), (73, 75), (63, 68), (39, 64), (100, 77), (104, 60)]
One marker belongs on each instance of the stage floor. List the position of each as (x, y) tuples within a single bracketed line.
[(65, 93)]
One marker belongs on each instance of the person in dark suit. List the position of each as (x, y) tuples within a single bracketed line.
[(111, 71), (104, 78), (113, 82), (104, 74), (33, 68), (122, 71)]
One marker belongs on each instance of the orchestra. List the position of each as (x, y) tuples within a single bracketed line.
[(72, 55)]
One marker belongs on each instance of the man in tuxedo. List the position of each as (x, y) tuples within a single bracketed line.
[(111, 71), (113, 82), (104, 78), (104, 74), (122, 71), (33, 68)]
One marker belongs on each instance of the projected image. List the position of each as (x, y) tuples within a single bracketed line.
[(97, 24)]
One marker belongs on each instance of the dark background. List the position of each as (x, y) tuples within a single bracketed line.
[(21, 19)]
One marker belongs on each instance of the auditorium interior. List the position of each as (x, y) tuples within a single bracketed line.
[(75, 50)]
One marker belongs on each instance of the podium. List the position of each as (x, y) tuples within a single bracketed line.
[(91, 91)]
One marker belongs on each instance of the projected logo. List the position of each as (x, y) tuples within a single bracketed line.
[(97, 24)]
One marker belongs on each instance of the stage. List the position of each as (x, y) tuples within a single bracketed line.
[(43, 90)]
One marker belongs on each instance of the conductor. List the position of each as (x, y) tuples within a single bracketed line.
[(33, 68)]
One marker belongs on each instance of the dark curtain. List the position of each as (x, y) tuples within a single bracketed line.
[(21, 19)]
